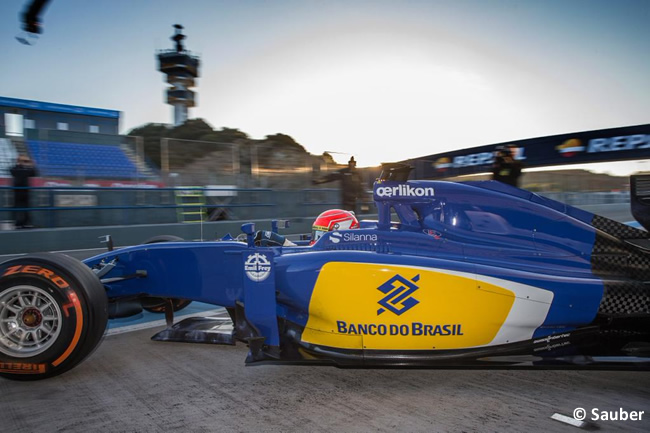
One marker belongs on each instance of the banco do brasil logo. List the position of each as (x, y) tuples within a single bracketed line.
[(398, 292)]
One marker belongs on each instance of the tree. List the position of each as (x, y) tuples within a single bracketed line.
[(284, 140), (151, 134), (327, 158), (198, 130), (193, 130), (225, 135)]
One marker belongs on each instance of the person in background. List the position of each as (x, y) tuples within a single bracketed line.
[(351, 184), (506, 168), (21, 172)]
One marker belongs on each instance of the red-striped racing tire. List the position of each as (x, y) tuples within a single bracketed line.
[(53, 314)]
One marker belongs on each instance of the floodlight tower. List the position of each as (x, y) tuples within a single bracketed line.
[(181, 68)]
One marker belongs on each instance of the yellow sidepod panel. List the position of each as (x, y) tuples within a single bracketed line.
[(392, 307)]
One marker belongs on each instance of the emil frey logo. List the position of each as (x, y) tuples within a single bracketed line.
[(257, 267), (405, 191), (398, 292)]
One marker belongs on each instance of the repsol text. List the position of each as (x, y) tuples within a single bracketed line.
[(414, 329)]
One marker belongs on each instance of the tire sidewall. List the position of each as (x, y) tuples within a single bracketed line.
[(83, 315)]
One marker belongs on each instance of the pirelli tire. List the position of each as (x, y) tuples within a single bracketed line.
[(53, 314)]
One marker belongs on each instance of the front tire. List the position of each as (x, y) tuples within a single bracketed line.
[(53, 314)]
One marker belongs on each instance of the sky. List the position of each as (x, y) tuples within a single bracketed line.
[(381, 80)]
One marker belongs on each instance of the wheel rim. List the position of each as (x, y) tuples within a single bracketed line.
[(30, 321)]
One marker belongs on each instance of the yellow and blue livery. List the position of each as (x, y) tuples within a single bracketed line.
[(449, 275)]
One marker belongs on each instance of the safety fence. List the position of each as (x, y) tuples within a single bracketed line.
[(92, 159), (245, 163), (83, 206), (52, 207)]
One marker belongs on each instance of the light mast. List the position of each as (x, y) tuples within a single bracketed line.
[(181, 68)]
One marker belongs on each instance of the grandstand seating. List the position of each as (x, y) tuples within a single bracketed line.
[(81, 160)]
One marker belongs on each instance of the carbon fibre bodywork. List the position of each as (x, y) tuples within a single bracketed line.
[(450, 275)]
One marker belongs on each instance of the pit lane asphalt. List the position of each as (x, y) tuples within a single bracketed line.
[(133, 384)]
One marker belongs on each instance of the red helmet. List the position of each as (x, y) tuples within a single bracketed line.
[(330, 220)]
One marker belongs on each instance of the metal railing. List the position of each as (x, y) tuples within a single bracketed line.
[(77, 206)]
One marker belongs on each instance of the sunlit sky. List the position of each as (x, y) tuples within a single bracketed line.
[(382, 80)]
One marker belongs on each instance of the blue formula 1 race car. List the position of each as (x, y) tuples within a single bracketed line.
[(451, 275)]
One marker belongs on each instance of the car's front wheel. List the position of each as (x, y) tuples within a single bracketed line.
[(53, 314)]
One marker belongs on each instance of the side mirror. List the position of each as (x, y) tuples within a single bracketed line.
[(249, 230)]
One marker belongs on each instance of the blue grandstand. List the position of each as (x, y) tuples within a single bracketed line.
[(57, 159)]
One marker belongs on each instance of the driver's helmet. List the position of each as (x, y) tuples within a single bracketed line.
[(334, 219)]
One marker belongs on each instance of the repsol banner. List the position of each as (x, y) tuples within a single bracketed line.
[(616, 144)]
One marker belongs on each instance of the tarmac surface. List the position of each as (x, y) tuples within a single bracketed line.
[(133, 384)]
